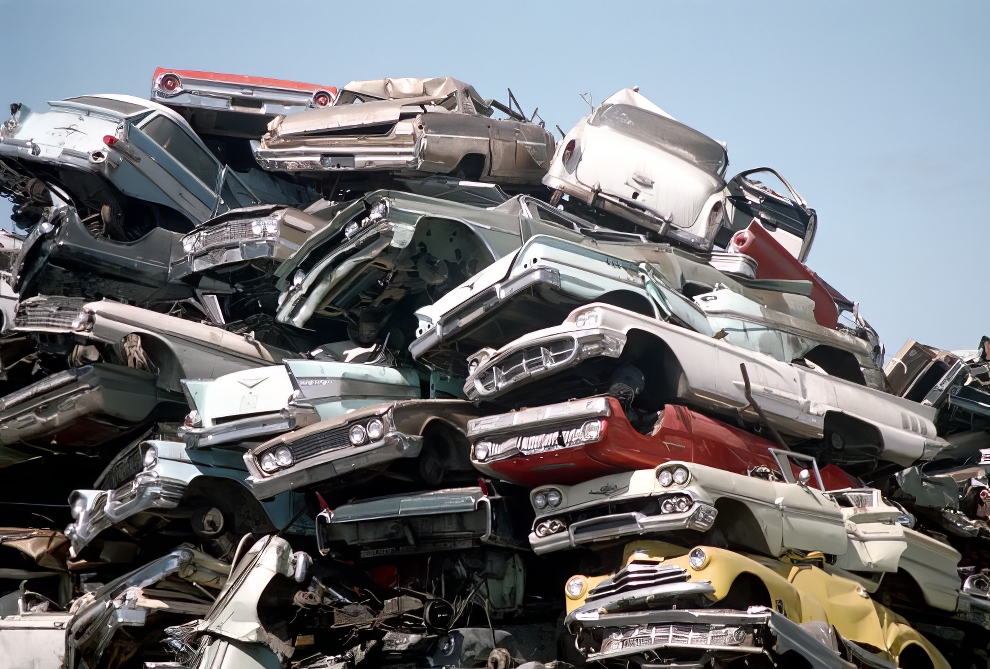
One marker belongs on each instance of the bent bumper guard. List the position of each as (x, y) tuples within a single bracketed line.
[(147, 491), (699, 517)]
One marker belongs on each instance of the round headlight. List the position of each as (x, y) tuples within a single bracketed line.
[(189, 243), (683, 504), (268, 462), (257, 226), (271, 225), (283, 456), (298, 278), (481, 451), (680, 475), (698, 558), (540, 500), (665, 478), (576, 587), (591, 431), (667, 506), (351, 229), (150, 457), (357, 434), (376, 429), (542, 530), (553, 497), (472, 366)]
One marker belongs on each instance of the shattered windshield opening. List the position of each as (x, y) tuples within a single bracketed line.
[(666, 134)]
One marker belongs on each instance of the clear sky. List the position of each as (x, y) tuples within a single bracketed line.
[(877, 112)]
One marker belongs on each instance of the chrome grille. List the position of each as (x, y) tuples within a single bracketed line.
[(637, 575), (39, 313), (225, 233), (123, 470), (678, 635), (526, 362), (319, 442)]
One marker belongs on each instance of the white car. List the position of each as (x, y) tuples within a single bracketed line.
[(857, 424)]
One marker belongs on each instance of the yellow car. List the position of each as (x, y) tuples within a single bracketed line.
[(714, 605)]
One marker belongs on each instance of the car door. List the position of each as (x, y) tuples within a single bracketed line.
[(186, 170), (519, 150), (811, 520), (774, 202)]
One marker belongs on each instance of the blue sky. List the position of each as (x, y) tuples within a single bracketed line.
[(877, 112)]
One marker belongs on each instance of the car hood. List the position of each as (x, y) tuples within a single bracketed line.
[(346, 116)]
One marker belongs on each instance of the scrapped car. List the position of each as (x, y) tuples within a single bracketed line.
[(81, 409), (548, 277), (855, 424), (256, 239), (173, 589), (413, 126), (156, 480), (126, 164), (172, 347), (665, 604), (234, 104), (432, 431), (769, 510), (388, 245), (253, 404), (579, 440), (632, 158), (61, 256), (423, 522)]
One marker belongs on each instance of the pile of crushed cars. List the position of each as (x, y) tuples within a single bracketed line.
[(391, 376)]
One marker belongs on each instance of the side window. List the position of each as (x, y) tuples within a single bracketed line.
[(168, 135)]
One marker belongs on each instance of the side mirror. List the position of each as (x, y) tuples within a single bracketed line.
[(323, 520), (803, 477)]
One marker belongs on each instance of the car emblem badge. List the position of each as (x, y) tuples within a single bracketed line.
[(608, 489), (250, 383)]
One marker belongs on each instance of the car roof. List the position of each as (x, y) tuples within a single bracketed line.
[(130, 99)]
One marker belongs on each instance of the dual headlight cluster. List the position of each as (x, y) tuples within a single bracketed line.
[(365, 432), (275, 459), (378, 212), (548, 527), (677, 475), (258, 228), (550, 497)]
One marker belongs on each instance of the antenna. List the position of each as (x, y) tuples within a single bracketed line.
[(589, 99)]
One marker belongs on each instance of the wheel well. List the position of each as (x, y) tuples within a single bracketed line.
[(161, 355), (736, 525), (445, 454), (914, 656), (838, 363), (630, 301), (471, 167), (661, 369), (850, 443), (239, 506), (746, 590)]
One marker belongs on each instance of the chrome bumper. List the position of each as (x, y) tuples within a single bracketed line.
[(237, 430), (337, 158), (146, 491), (248, 249), (699, 517)]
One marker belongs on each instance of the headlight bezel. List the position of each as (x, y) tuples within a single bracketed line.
[(578, 592), (698, 558)]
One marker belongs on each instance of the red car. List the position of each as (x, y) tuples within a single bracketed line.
[(234, 105), (576, 441)]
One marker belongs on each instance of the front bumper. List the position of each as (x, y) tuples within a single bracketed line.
[(533, 359), (392, 446), (339, 158), (722, 632), (145, 492), (237, 430), (699, 517), (237, 252)]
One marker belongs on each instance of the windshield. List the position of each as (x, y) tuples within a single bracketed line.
[(664, 133)]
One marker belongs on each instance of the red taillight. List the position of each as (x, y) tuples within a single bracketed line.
[(568, 152), (170, 83), (110, 140), (322, 99)]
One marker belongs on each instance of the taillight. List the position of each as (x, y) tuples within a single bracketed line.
[(322, 99), (110, 140), (568, 152), (170, 83)]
